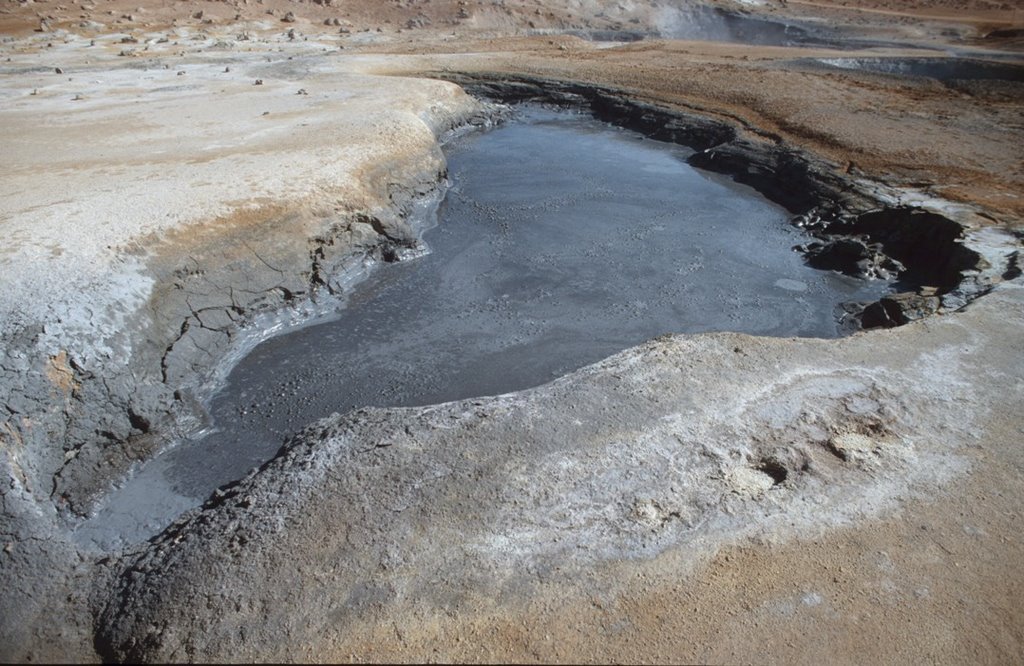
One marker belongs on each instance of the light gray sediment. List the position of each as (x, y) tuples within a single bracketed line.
[(684, 444)]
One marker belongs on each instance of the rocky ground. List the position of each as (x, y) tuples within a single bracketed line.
[(179, 177)]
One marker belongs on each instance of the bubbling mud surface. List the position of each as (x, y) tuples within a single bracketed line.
[(561, 241)]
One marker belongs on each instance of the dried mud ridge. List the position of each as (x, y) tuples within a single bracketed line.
[(204, 299)]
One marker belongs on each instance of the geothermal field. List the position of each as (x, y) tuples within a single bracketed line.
[(652, 331)]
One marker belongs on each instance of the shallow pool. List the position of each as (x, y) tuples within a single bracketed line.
[(562, 240)]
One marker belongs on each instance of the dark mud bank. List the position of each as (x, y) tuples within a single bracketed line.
[(857, 233)]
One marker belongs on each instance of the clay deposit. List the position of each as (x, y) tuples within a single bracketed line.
[(181, 182)]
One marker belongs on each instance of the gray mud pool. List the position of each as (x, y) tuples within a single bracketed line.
[(561, 241)]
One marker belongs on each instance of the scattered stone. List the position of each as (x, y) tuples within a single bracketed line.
[(291, 34), (227, 69), (44, 26), (302, 91), (58, 70), (289, 18), (129, 40), (77, 97), (259, 82), (417, 22), (198, 15), (181, 73)]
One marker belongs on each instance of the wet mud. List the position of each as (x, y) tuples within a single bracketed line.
[(561, 241)]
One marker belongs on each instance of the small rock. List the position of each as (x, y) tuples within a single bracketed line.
[(291, 33), (58, 70), (302, 91), (748, 482), (198, 15), (417, 22), (181, 73), (289, 18), (227, 69), (850, 444), (899, 309), (259, 82)]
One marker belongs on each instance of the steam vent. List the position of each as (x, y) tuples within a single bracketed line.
[(530, 331)]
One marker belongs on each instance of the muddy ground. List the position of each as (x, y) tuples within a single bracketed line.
[(178, 179)]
